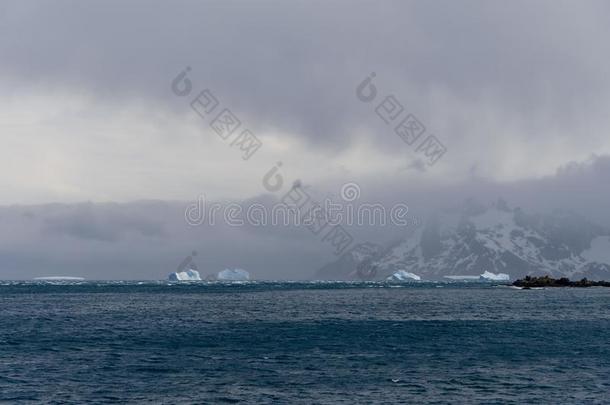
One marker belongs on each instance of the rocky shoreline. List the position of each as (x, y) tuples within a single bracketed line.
[(546, 281)]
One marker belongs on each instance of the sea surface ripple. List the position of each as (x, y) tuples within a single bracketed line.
[(302, 343)]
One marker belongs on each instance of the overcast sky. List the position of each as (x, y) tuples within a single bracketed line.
[(517, 92)]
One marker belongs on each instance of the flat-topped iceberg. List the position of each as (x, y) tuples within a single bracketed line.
[(59, 278), (189, 275), (402, 275), (489, 276), (486, 276), (233, 275)]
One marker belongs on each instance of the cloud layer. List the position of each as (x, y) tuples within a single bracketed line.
[(513, 90)]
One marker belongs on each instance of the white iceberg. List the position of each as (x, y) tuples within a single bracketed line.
[(233, 275), (402, 275), (489, 276), (189, 275), (463, 278)]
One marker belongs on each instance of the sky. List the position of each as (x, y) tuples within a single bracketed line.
[(92, 128)]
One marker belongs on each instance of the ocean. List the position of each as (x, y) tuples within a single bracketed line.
[(302, 343)]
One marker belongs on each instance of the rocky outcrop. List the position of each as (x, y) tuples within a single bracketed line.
[(546, 281)]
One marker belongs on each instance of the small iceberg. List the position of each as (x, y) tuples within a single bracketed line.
[(489, 276), (59, 278), (402, 275), (233, 275), (189, 275), (463, 278)]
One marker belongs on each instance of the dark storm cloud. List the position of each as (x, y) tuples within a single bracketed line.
[(293, 66), (102, 244), (579, 187), (101, 222)]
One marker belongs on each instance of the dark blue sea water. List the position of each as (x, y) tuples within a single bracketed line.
[(296, 343)]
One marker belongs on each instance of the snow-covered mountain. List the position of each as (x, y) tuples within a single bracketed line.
[(475, 238)]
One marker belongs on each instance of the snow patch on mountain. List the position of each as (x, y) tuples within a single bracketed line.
[(475, 239)]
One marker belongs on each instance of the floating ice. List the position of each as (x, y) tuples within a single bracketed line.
[(59, 278), (463, 278), (189, 275), (233, 275), (402, 275), (489, 276)]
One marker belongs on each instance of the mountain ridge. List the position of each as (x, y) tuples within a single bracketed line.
[(472, 238)]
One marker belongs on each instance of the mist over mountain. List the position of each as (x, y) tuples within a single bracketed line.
[(472, 238), (561, 216)]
